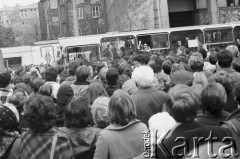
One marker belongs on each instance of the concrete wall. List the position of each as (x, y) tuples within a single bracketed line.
[(180, 5)]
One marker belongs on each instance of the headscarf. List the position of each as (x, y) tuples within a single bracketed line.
[(8, 120)]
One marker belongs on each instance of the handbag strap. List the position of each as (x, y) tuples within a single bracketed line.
[(54, 142)]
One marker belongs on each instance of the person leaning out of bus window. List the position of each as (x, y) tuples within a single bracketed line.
[(110, 52), (179, 49)]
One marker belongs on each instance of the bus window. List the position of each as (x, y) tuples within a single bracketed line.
[(185, 36), (114, 47), (153, 41), (218, 35), (89, 52), (237, 35)]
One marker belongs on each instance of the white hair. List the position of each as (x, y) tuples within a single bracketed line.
[(143, 76)]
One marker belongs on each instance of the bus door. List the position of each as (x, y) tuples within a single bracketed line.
[(157, 43), (218, 37), (88, 52), (117, 46), (191, 40)]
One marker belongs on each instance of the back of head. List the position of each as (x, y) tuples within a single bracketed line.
[(82, 73), (17, 99), (64, 95), (142, 59), (99, 111), (121, 110), (73, 67), (36, 84), (78, 114), (156, 67), (143, 76), (27, 78), (196, 62), (39, 113), (167, 67), (17, 80), (94, 91), (112, 76), (225, 58), (51, 74), (226, 80), (213, 98), (5, 79), (103, 74), (46, 90), (203, 52), (182, 103), (213, 57), (234, 50)]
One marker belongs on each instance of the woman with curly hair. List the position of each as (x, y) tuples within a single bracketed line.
[(42, 139)]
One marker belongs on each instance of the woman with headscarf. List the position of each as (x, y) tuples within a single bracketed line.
[(9, 130)]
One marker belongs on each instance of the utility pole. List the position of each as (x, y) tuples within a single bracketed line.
[(161, 15), (212, 6), (75, 18)]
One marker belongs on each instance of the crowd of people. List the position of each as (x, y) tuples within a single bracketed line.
[(100, 110)]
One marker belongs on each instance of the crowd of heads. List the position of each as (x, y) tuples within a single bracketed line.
[(79, 95)]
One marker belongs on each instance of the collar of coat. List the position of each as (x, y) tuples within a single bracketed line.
[(147, 90), (113, 127)]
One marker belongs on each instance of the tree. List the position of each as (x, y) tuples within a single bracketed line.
[(7, 37), (26, 31), (133, 14)]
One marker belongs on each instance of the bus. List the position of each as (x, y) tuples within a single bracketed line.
[(95, 47)]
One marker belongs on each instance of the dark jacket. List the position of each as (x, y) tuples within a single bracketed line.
[(122, 142), (185, 135), (83, 141), (207, 119), (112, 88), (148, 102)]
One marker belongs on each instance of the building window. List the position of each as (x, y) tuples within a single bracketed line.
[(55, 21), (53, 4), (99, 30), (23, 24), (80, 13), (230, 2), (95, 12)]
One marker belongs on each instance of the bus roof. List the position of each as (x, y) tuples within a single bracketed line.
[(46, 42)]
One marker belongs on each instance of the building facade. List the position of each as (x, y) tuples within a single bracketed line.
[(82, 17), (49, 19), (127, 15), (66, 18)]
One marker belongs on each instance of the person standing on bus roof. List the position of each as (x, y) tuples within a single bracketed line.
[(179, 48)]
